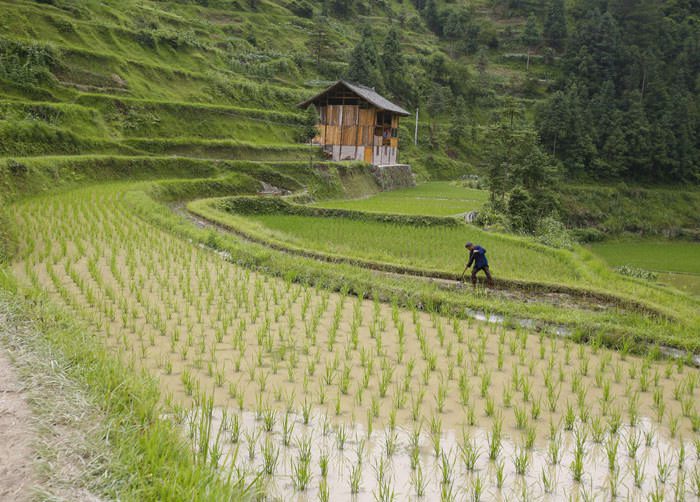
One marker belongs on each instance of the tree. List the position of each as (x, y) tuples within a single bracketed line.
[(439, 99), (531, 34), (341, 8), (637, 133), (318, 40), (563, 129), (457, 122), (309, 125), (364, 62), (482, 62), (555, 31), (521, 177), (512, 109), (394, 67), (432, 17), (460, 29), (627, 104)]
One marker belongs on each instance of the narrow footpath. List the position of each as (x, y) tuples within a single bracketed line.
[(17, 436)]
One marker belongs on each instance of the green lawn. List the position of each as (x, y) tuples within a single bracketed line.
[(436, 198)]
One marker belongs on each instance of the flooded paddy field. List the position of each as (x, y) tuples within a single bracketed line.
[(399, 402)]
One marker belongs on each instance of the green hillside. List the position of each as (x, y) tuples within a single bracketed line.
[(99, 77), (179, 78)]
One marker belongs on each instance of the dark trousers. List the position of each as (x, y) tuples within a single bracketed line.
[(489, 279)]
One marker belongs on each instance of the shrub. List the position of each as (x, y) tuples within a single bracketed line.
[(551, 232), (635, 272), (488, 217), (25, 62), (587, 235), (17, 168)]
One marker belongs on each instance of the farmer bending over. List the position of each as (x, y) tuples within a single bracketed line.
[(477, 256)]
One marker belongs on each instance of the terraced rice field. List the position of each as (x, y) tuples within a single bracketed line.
[(333, 396), (435, 198), (677, 263), (437, 247)]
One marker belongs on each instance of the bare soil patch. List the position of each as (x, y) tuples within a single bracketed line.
[(16, 436)]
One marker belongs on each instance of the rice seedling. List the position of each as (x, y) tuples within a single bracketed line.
[(251, 439), (323, 491), (446, 468), (301, 473), (547, 481), (384, 492), (418, 481), (355, 478), (500, 474), (663, 469), (269, 419), (569, 417), (521, 419), (494, 438), (521, 461), (270, 454), (469, 451), (611, 447), (633, 441), (554, 449), (323, 464), (695, 481), (577, 465)]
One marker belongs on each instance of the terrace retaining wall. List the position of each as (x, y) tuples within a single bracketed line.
[(391, 177)]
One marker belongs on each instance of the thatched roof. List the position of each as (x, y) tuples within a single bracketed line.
[(366, 93)]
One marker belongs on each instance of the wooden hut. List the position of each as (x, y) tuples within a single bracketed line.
[(356, 123)]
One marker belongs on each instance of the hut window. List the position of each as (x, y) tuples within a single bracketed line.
[(383, 118)]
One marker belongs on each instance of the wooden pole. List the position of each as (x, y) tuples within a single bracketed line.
[(415, 134), (342, 127), (325, 125), (357, 126)]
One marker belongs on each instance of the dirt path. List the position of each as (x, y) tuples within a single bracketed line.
[(52, 443), (17, 476)]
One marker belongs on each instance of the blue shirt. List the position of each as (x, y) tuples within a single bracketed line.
[(478, 257)]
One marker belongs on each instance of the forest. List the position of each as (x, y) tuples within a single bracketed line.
[(624, 104)]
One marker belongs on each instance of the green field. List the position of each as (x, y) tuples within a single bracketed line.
[(438, 247), (435, 198), (658, 256), (678, 263)]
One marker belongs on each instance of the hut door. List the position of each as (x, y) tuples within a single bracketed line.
[(368, 154)]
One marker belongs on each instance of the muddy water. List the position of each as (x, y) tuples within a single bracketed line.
[(202, 324), (654, 469)]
